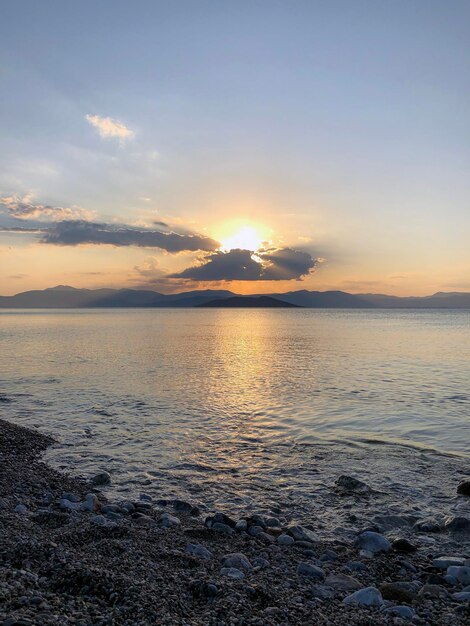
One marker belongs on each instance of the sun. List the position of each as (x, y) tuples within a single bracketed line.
[(246, 237)]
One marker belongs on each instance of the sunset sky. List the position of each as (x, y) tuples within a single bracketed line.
[(255, 145)]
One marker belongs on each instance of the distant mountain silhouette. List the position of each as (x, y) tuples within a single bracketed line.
[(248, 302), (66, 297)]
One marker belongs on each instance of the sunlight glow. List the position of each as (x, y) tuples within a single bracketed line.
[(246, 237)]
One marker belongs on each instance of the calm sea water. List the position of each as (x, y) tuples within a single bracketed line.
[(237, 402)]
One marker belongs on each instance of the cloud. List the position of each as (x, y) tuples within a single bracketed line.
[(273, 264), (23, 208), (75, 232), (108, 127)]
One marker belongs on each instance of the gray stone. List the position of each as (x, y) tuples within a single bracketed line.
[(428, 525), (433, 591), (196, 549), (300, 533), (343, 582), (403, 611), (91, 503), (457, 523), (461, 573), (241, 525), (72, 497), (254, 531), (357, 566), (220, 527), (403, 545), (232, 572), (369, 596), (464, 488), (443, 562), (308, 570), (349, 484), (237, 560), (373, 542), (145, 497), (102, 478), (168, 521), (67, 505), (21, 509), (285, 540), (462, 596)]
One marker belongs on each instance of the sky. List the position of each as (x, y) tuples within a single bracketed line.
[(255, 145)]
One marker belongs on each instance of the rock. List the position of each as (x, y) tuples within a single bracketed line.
[(196, 549), (349, 484), (403, 545), (67, 505), (461, 573), (464, 488), (100, 520), (186, 507), (91, 503), (369, 596), (428, 525), (72, 497), (356, 566), (224, 519), (168, 521), (433, 591), (285, 540), (266, 537), (462, 596), (126, 507), (300, 533), (145, 497), (254, 531), (342, 582), (260, 562), (272, 522), (398, 591), (237, 560), (373, 542), (232, 572), (308, 570), (241, 525), (102, 478), (443, 562), (403, 611), (450, 580), (457, 523), (219, 527), (21, 509)]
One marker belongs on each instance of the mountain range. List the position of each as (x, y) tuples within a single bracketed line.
[(65, 297)]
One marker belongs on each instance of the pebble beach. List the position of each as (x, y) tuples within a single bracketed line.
[(71, 555)]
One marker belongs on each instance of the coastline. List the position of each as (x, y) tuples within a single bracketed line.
[(71, 557)]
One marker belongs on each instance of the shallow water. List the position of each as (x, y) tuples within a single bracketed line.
[(243, 406)]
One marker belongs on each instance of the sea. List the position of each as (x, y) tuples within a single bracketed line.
[(246, 409)]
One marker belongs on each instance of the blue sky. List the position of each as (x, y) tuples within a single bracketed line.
[(335, 129)]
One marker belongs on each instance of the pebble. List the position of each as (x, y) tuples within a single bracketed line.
[(443, 562), (197, 549), (343, 582), (308, 570), (236, 560), (102, 478), (300, 533), (349, 484), (462, 596), (254, 531), (220, 527), (241, 525), (92, 503), (167, 521), (232, 572), (398, 591), (145, 497), (21, 509), (464, 488), (356, 566), (457, 523), (285, 540), (369, 596), (461, 573), (67, 505), (403, 611), (373, 542), (428, 525), (434, 591), (403, 545)]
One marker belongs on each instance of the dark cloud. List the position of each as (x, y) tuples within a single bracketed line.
[(75, 232), (274, 264)]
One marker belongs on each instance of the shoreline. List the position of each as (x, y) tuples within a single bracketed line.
[(70, 556)]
